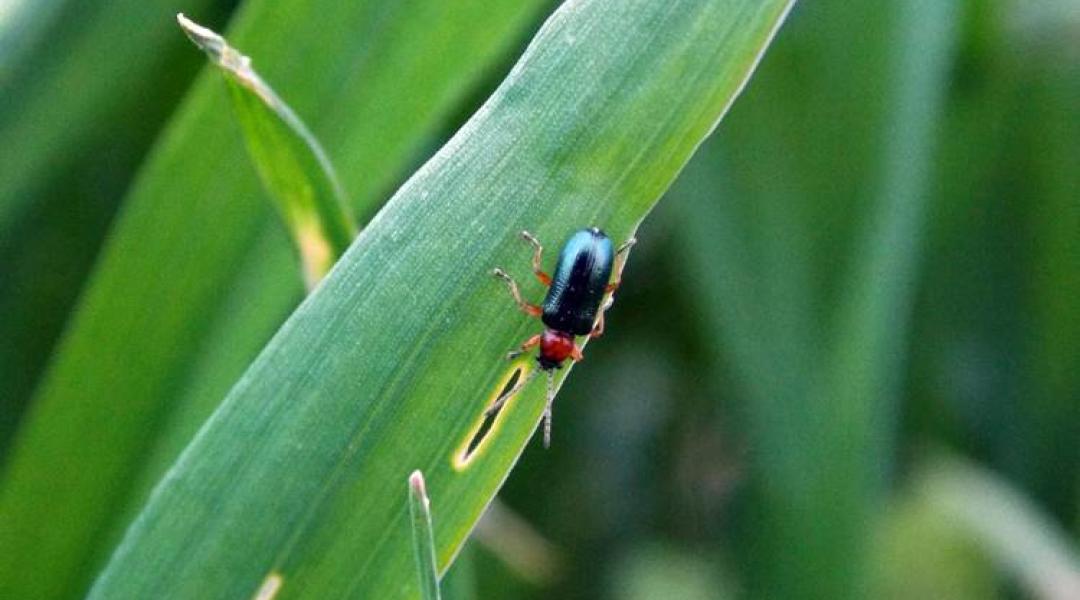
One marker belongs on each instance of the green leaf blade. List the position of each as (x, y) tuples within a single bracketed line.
[(293, 167), (1008, 527), (821, 413), (423, 538), (70, 100), (861, 380), (389, 364)]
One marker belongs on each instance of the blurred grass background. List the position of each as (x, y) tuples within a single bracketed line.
[(873, 264)]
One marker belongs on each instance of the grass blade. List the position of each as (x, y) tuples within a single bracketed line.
[(423, 538), (920, 553), (518, 546), (381, 79), (1012, 530), (292, 165), (83, 89), (819, 420), (22, 27), (369, 379), (868, 343), (64, 95)]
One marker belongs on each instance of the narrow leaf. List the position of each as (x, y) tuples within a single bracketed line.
[(82, 95), (390, 363), (423, 537), (764, 235), (869, 338), (1012, 530), (69, 71), (22, 26), (292, 165)]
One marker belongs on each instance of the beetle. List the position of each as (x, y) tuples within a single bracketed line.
[(579, 293)]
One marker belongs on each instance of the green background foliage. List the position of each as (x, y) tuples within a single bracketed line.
[(843, 362)]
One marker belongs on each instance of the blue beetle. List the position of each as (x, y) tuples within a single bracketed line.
[(578, 294)]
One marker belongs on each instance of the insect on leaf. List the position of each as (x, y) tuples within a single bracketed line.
[(389, 365)]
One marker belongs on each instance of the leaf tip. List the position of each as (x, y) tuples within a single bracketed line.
[(202, 37), (214, 45), (417, 486)]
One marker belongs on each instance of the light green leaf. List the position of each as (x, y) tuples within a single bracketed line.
[(1014, 532), (388, 366), (921, 553), (656, 571), (427, 573), (291, 163)]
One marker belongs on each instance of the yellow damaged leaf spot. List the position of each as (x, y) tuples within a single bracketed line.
[(316, 255), (270, 587)]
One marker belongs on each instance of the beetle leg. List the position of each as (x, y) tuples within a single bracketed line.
[(598, 329), (538, 252), (529, 344), (576, 354), (620, 262), (526, 307), (501, 400)]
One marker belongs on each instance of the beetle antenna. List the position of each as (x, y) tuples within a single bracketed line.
[(547, 408), (497, 405)]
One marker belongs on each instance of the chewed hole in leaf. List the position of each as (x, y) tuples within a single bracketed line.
[(483, 429)]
